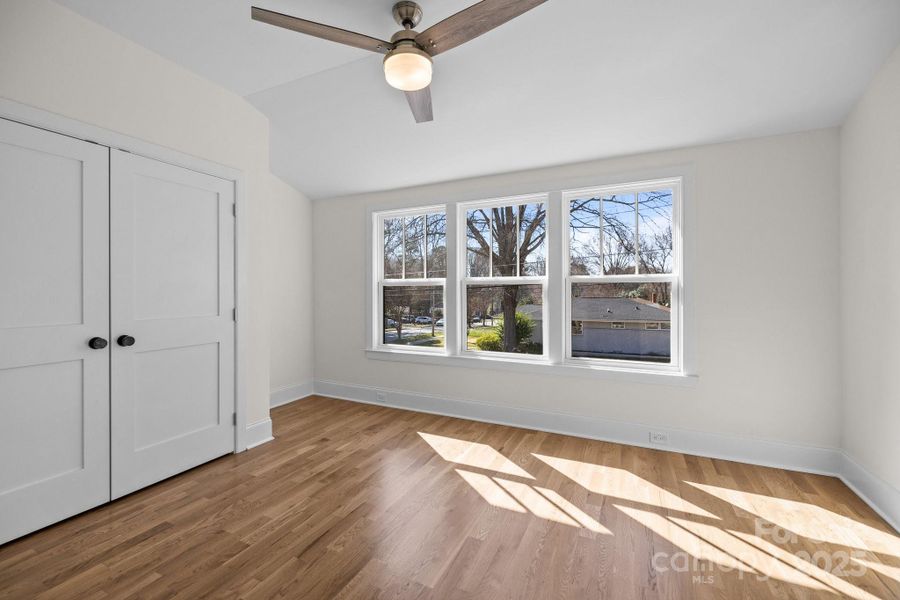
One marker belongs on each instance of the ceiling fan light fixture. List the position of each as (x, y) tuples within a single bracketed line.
[(408, 68)]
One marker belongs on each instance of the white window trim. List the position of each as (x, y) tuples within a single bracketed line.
[(380, 282), (462, 209), (675, 278), (557, 323)]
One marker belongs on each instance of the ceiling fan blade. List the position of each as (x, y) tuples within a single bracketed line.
[(420, 105), (468, 24), (326, 32)]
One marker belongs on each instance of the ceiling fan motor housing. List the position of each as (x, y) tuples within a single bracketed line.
[(407, 14)]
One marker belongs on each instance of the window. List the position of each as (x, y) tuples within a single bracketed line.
[(505, 279), (602, 293), (413, 268), (623, 278)]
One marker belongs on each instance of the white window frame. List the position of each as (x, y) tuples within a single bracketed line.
[(381, 282), (463, 209), (674, 278), (556, 284)]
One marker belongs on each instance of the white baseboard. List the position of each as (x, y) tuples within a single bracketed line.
[(288, 394), (877, 493), (884, 499), (259, 433)]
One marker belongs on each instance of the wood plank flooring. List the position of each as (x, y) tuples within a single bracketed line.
[(357, 501)]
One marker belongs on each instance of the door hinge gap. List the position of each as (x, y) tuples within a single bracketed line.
[(234, 418)]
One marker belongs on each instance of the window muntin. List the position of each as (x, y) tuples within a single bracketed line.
[(623, 253)]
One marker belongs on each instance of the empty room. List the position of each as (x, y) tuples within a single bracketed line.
[(449, 299)]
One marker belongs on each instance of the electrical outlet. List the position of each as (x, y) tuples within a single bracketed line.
[(381, 397), (659, 437)]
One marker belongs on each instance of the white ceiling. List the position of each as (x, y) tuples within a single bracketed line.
[(571, 80)]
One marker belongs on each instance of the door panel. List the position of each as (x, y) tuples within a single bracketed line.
[(172, 232), (54, 297), (176, 393), (176, 220)]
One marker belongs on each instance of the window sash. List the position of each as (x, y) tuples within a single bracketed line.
[(463, 327), (378, 324), (488, 205), (382, 216), (380, 282), (599, 192), (675, 329)]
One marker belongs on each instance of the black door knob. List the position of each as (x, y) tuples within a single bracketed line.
[(125, 340), (97, 343)]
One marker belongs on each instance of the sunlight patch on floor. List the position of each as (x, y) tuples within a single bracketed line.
[(799, 564), (579, 515), (473, 454), (490, 491), (808, 520), (538, 505), (761, 562), (886, 570), (693, 545), (619, 483)]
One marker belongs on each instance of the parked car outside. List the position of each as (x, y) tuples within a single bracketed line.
[(423, 320)]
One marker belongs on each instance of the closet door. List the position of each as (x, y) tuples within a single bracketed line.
[(54, 299), (172, 295)]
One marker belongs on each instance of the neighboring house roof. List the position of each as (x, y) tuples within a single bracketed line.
[(608, 309)]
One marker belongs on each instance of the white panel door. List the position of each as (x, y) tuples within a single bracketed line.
[(54, 299), (172, 291)]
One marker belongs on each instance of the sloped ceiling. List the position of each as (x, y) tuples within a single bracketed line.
[(571, 80)]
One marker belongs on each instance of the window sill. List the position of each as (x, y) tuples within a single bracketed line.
[(525, 365)]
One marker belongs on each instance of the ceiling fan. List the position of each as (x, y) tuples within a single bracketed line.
[(407, 61)]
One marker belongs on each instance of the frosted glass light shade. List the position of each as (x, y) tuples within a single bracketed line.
[(408, 69)]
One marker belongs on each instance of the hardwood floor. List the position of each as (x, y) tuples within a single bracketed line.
[(357, 501)]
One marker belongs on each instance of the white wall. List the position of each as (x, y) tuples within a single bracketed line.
[(870, 276), (291, 275), (765, 232), (53, 59)]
